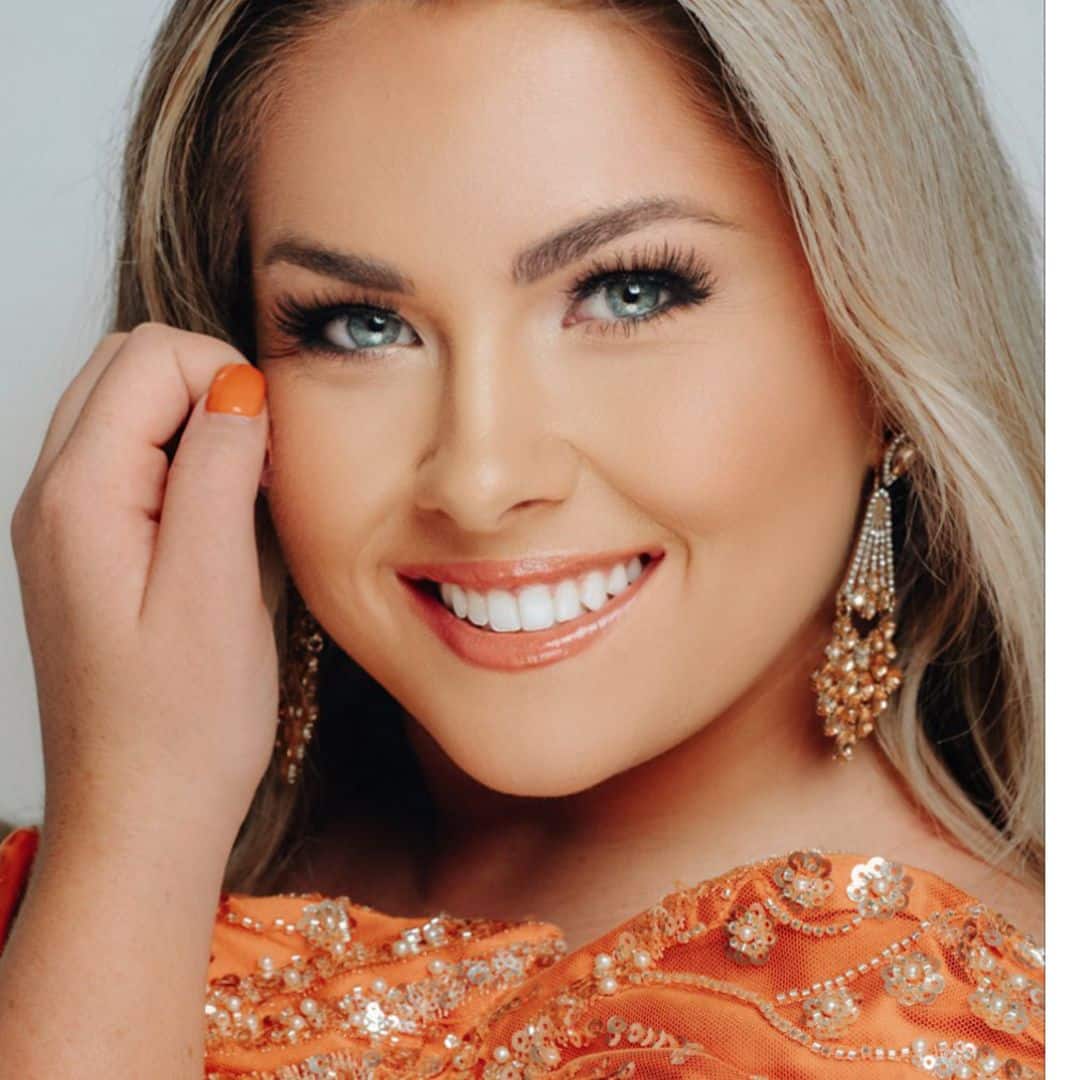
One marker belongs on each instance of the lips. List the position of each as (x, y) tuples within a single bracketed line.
[(483, 575), (523, 649)]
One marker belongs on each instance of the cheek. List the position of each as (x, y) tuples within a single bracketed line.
[(340, 458), (751, 446), (742, 427)]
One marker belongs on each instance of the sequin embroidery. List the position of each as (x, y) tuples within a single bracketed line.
[(914, 979), (880, 888), (805, 879), (483, 1008), (752, 935)]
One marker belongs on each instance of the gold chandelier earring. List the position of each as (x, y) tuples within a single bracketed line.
[(857, 680), (298, 705)]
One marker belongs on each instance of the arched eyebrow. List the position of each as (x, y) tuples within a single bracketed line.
[(546, 256)]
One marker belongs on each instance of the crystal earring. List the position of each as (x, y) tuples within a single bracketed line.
[(298, 706), (855, 683)]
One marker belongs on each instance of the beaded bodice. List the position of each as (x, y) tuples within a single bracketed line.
[(805, 965)]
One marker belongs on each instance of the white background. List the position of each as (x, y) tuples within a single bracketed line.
[(67, 75)]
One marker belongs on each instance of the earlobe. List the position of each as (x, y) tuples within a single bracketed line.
[(882, 431)]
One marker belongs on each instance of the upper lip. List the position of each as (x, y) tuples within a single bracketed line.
[(485, 574)]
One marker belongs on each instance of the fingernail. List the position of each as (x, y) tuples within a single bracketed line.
[(237, 388)]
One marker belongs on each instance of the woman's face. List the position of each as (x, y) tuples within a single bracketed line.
[(476, 410)]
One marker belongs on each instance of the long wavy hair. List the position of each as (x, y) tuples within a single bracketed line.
[(927, 258)]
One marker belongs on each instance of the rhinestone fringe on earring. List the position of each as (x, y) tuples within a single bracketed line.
[(854, 685), (298, 707)]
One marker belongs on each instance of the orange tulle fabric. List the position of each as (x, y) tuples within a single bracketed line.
[(803, 965)]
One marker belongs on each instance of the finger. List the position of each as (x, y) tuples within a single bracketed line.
[(206, 538), (72, 400), (143, 396)]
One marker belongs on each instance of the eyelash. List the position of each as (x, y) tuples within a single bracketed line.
[(682, 273)]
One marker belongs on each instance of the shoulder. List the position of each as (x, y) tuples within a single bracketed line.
[(1001, 889)]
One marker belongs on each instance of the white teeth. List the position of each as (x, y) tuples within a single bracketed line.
[(594, 590), (460, 601), (567, 602), (502, 610), (536, 607), (617, 580), (477, 611)]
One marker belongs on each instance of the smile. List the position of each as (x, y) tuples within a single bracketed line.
[(540, 623)]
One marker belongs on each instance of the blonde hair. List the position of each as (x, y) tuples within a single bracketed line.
[(926, 258)]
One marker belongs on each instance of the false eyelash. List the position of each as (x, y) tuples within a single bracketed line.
[(686, 276), (682, 271), (301, 322)]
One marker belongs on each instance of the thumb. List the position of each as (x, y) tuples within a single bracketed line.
[(206, 536)]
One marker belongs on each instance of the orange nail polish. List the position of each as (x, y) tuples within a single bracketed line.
[(238, 389), (16, 854)]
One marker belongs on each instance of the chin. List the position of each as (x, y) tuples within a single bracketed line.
[(531, 775)]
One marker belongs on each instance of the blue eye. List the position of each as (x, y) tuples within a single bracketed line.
[(633, 298), (627, 286), (627, 294), (357, 328)]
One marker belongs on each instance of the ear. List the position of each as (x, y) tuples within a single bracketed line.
[(872, 411), (876, 431), (875, 449)]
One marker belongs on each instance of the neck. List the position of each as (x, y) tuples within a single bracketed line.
[(757, 780)]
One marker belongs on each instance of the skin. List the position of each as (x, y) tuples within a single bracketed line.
[(734, 433)]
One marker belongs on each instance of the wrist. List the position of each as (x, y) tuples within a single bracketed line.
[(181, 839)]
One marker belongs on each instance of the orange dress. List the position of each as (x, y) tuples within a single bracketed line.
[(805, 965)]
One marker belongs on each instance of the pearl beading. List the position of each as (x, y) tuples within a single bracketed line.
[(377, 1011), (973, 935), (852, 973)]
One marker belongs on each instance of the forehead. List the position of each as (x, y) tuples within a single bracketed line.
[(477, 120)]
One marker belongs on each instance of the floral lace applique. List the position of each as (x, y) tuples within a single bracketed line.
[(1006, 1000), (967, 1061), (914, 979), (373, 1011), (805, 879), (481, 1011), (879, 888), (830, 1013), (752, 936)]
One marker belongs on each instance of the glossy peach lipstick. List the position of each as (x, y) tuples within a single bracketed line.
[(522, 649)]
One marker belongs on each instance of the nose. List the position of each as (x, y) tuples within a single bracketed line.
[(498, 447)]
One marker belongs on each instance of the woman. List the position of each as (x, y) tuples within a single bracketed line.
[(648, 535)]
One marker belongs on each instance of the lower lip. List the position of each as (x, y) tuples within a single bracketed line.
[(515, 650)]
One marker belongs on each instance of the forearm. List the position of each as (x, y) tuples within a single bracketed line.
[(104, 972)]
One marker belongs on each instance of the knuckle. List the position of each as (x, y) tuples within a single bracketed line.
[(228, 352), (17, 524), (151, 334), (114, 339), (58, 494), (158, 336)]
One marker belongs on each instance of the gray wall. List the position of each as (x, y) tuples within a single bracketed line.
[(65, 79)]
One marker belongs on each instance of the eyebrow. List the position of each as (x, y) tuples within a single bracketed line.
[(537, 261)]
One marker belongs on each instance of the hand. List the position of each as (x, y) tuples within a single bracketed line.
[(153, 649)]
